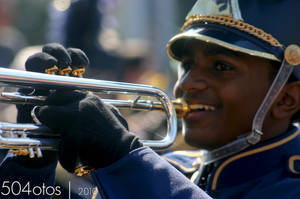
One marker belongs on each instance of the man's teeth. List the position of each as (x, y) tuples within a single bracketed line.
[(201, 107)]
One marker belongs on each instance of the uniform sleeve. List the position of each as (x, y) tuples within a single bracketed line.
[(144, 174)]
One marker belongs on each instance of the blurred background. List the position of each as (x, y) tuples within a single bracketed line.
[(125, 40), (113, 33)]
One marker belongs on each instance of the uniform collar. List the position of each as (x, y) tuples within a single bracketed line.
[(255, 161)]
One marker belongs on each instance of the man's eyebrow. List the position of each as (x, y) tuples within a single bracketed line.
[(213, 51)]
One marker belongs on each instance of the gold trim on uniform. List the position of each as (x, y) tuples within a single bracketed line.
[(95, 193), (251, 152), (291, 163), (227, 20)]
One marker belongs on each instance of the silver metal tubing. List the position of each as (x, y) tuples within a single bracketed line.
[(17, 78), (180, 106)]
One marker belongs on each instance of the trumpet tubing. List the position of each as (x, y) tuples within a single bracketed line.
[(33, 138), (179, 104)]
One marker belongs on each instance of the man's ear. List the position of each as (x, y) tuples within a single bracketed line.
[(288, 101)]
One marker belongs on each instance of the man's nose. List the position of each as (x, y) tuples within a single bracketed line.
[(189, 83)]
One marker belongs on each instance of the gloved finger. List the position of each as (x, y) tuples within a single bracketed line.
[(57, 118), (107, 113), (78, 57), (40, 62), (68, 153), (64, 97), (62, 108), (60, 53), (119, 116), (79, 61)]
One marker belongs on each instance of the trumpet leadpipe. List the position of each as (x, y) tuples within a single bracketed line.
[(180, 106)]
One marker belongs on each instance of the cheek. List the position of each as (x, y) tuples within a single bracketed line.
[(242, 100)]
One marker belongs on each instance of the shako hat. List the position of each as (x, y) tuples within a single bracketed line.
[(255, 27)]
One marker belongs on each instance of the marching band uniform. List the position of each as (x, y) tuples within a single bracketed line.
[(143, 174), (274, 172), (269, 169)]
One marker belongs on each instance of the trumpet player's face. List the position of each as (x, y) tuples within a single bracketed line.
[(224, 90)]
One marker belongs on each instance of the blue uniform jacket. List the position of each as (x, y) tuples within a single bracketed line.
[(269, 170), (144, 175)]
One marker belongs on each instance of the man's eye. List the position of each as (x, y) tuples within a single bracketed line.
[(187, 65), (219, 66)]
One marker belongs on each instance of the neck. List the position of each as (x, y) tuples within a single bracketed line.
[(275, 128)]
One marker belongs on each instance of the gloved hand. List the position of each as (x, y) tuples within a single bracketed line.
[(54, 58), (90, 131)]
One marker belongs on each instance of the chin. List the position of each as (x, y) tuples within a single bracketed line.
[(200, 140), (192, 139)]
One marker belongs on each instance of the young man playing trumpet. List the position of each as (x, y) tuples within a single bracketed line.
[(242, 85)]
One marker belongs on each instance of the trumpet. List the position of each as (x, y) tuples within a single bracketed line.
[(32, 139)]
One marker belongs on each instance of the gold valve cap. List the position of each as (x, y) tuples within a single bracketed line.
[(78, 71), (51, 70), (65, 71)]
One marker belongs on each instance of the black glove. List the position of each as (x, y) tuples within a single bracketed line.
[(53, 58), (90, 131), (52, 55)]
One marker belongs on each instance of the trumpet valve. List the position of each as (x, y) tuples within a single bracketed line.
[(39, 152), (65, 71), (78, 72), (52, 70), (19, 152), (27, 152)]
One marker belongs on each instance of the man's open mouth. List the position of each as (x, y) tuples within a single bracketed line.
[(201, 107)]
